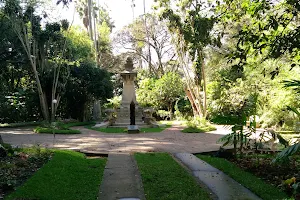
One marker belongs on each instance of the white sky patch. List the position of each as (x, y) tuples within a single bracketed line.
[(119, 10)]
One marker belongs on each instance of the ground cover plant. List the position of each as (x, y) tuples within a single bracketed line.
[(68, 175), (17, 165), (256, 173), (163, 178)]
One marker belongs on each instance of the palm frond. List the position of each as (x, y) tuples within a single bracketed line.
[(288, 152)]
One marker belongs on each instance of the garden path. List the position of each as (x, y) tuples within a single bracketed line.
[(219, 183), (121, 178), (170, 140)]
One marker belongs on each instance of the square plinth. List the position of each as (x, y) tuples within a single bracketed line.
[(133, 129)]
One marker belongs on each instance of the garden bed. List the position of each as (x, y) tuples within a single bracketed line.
[(19, 165)]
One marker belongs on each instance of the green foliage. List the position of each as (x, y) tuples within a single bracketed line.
[(146, 92), (56, 131), (87, 83), (193, 129), (163, 114), (78, 44), (168, 89), (19, 165), (72, 177), (68, 125), (183, 108), (286, 153), (58, 53), (114, 102), (160, 93), (253, 183), (22, 124), (164, 178), (198, 125)]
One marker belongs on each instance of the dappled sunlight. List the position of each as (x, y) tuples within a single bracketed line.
[(168, 141)]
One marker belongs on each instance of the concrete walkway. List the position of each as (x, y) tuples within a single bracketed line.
[(121, 179), (219, 183), (170, 140)]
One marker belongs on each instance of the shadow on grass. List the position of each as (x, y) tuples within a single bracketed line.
[(68, 175)]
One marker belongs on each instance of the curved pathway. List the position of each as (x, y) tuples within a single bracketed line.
[(170, 140)]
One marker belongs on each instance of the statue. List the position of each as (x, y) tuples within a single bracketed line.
[(129, 64)]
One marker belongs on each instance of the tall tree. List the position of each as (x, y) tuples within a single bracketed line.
[(191, 23), (44, 47), (148, 39)]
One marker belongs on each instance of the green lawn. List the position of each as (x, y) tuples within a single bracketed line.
[(124, 130), (164, 179), (253, 183), (68, 176), (71, 124), (57, 131)]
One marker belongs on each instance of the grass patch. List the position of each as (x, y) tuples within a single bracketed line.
[(253, 183), (56, 131), (124, 130), (71, 124), (69, 176), (193, 129), (163, 178), (21, 124)]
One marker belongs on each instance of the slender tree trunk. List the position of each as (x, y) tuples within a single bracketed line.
[(191, 98), (204, 85), (90, 10), (42, 96)]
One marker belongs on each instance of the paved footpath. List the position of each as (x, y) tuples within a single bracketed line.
[(219, 183), (170, 140), (121, 178)]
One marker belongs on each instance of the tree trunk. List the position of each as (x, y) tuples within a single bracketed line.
[(90, 8), (42, 96), (192, 101), (1, 140), (204, 85)]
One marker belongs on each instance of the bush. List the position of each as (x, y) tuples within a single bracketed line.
[(163, 114)]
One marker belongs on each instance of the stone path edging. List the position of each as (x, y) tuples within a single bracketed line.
[(121, 178), (219, 183)]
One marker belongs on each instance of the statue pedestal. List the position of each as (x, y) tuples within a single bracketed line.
[(133, 129)]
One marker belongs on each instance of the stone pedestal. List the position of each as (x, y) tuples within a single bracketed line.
[(128, 96)]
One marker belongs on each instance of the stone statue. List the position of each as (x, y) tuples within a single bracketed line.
[(129, 64)]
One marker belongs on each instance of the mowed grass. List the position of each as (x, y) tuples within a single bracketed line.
[(253, 183), (68, 176), (124, 130), (164, 179)]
